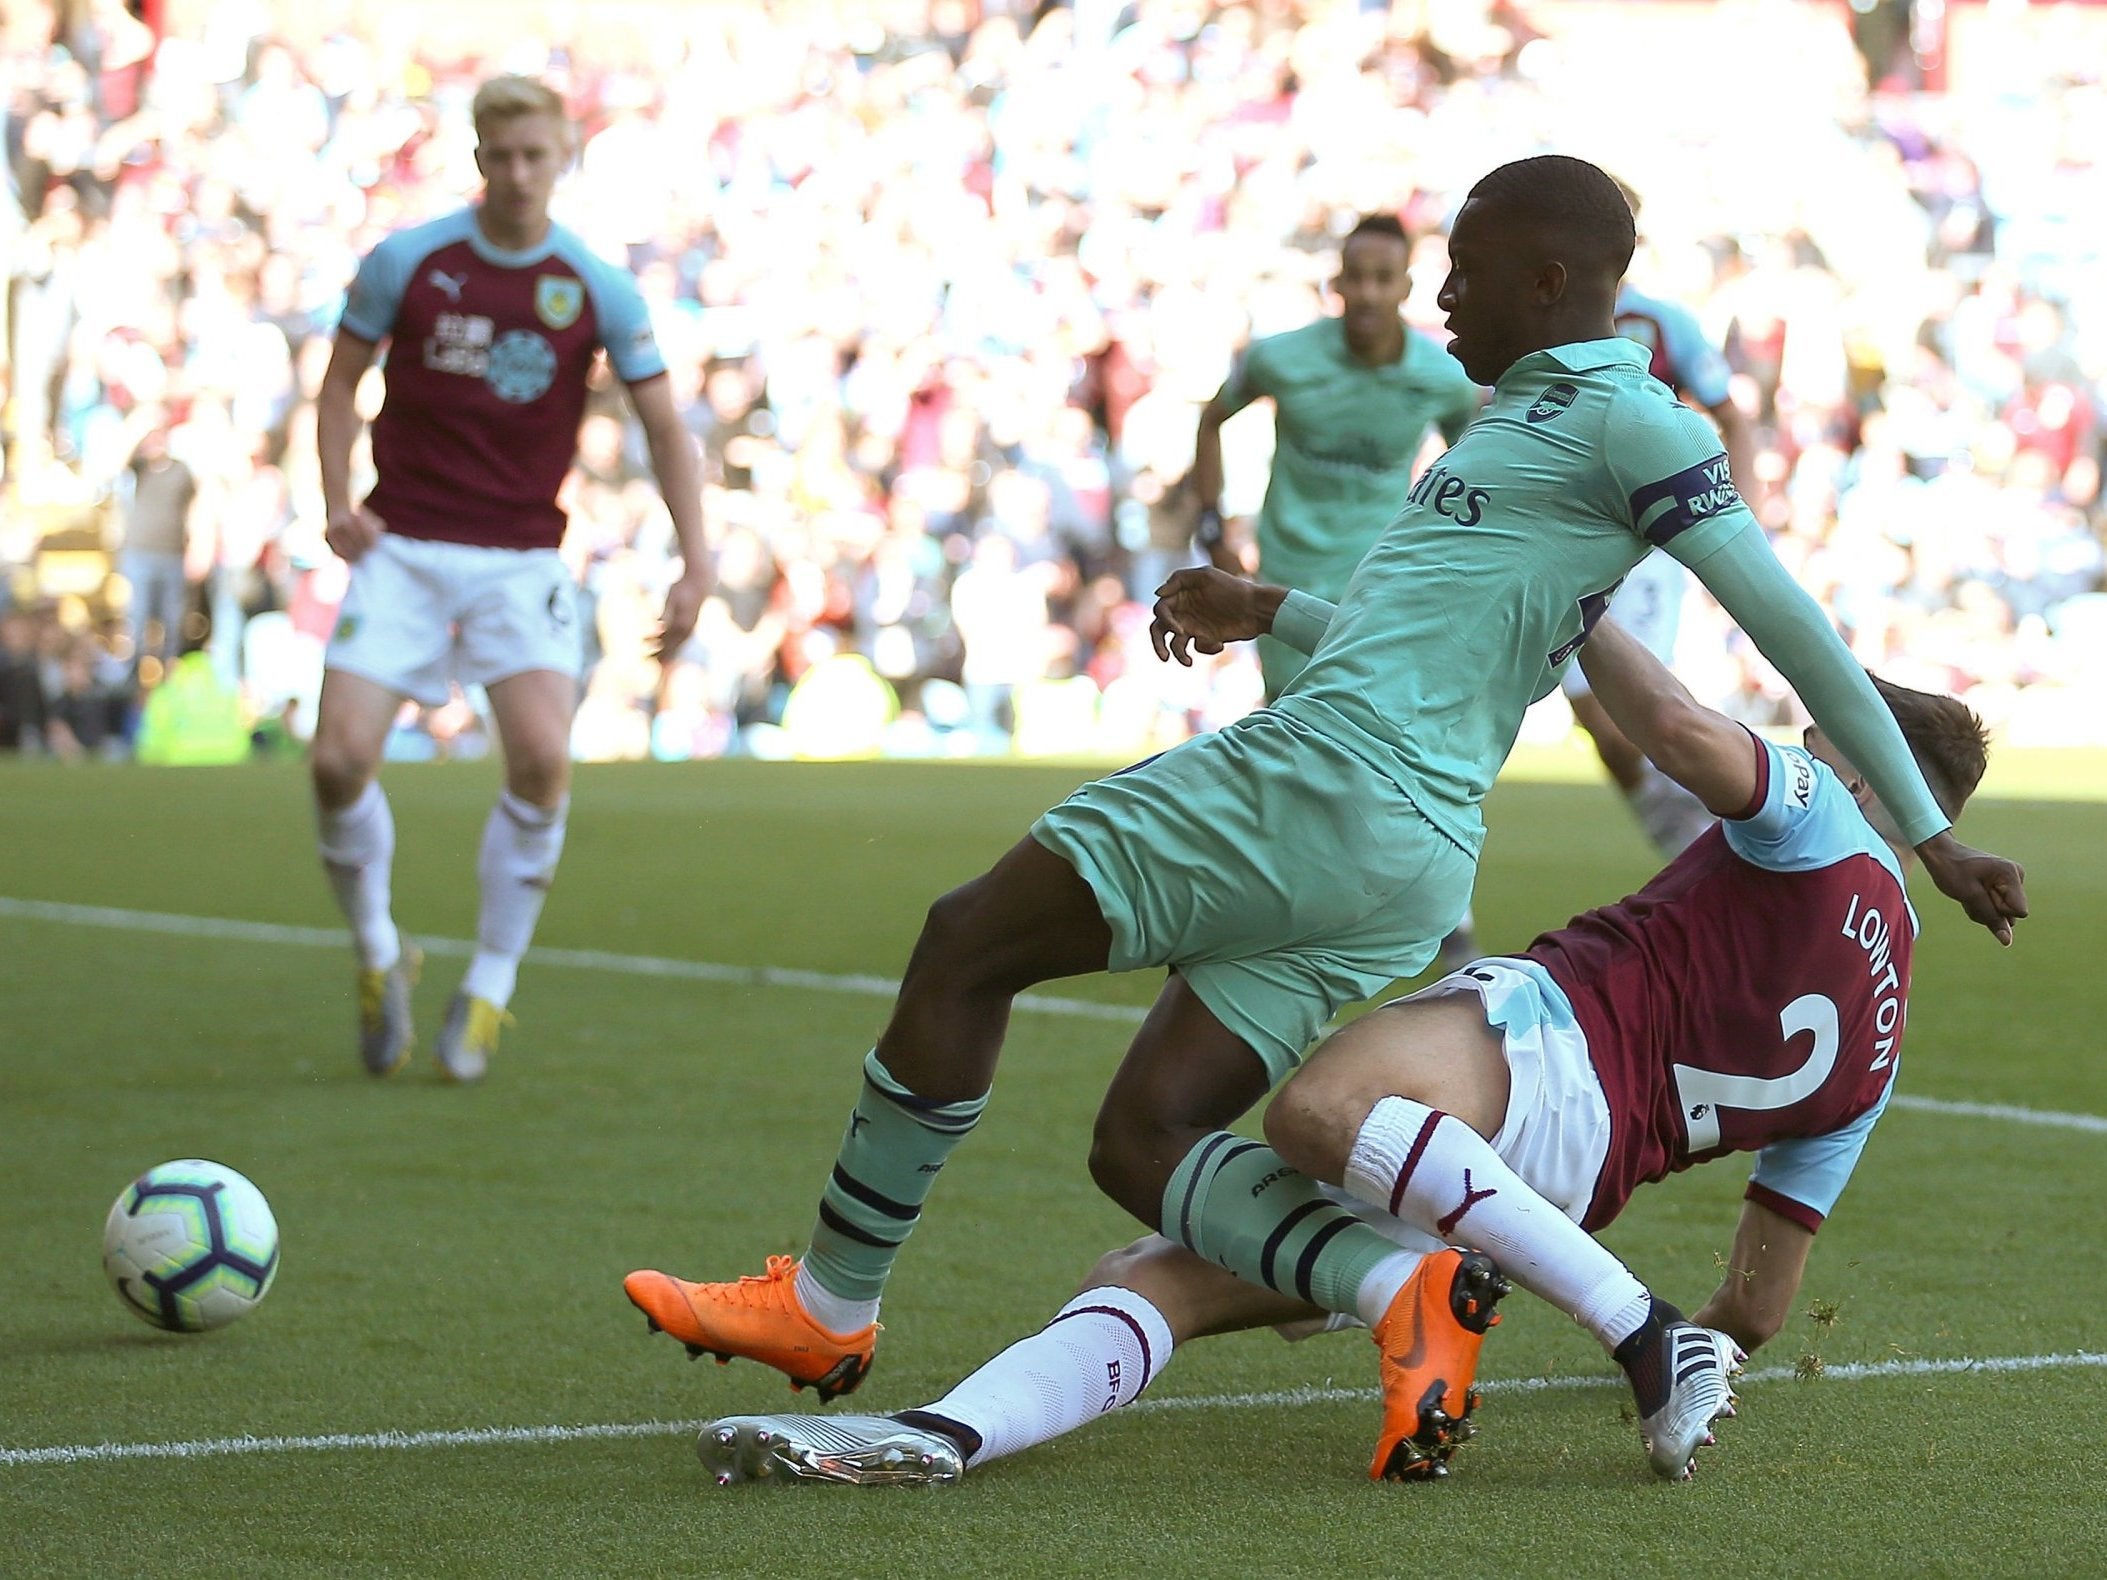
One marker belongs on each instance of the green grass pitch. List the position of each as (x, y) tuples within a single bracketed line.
[(452, 1258)]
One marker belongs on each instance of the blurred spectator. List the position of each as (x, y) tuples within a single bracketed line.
[(158, 499), (944, 285), (24, 713)]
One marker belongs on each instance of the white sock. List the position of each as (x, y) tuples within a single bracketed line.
[(521, 844), (1097, 1354), (1436, 1172), (835, 1313), (357, 843), (1380, 1284), (1672, 817)]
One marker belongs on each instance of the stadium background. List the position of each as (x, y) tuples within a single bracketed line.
[(943, 284), (446, 1379)]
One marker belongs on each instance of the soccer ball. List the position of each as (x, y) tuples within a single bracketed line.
[(190, 1245)]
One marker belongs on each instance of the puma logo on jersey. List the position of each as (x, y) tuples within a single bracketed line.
[(449, 283)]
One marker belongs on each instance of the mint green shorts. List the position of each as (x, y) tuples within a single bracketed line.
[(1282, 876)]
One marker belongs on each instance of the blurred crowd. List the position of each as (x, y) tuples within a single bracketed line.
[(942, 286)]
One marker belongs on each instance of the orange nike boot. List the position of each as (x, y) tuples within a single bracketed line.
[(1428, 1343), (759, 1318)]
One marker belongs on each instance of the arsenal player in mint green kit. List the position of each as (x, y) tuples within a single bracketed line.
[(492, 318), (1354, 398), (1307, 855)]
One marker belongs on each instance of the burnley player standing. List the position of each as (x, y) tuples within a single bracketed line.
[(493, 317)]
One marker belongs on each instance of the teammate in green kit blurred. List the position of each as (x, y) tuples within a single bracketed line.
[(1353, 398)]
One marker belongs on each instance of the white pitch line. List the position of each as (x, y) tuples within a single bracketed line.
[(1288, 1398), (2022, 1116), (762, 977), (577, 959)]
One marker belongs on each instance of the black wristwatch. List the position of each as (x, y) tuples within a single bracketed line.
[(1208, 534)]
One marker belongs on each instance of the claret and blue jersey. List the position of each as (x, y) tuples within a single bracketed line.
[(489, 353), (1678, 354), (1751, 998)]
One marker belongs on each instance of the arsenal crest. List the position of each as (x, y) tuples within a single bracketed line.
[(558, 299), (1552, 403)]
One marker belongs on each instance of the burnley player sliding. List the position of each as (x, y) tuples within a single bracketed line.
[(493, 318), (1751, 998)]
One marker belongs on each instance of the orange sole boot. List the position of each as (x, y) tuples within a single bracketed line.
[(757, 1318), (1428, 1342)]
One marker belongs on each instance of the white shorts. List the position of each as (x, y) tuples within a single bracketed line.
[(1556, 1133), (1650, 606), (420, 614)]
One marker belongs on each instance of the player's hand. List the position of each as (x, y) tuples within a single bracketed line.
[(352, 532), (1991, 889), (676, 622), (1207, 609)]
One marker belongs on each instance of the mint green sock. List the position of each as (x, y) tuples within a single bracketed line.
[(895, 1145), (1235, 1202)]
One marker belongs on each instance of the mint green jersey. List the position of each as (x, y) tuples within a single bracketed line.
[(1345, 436), (1477, 595)]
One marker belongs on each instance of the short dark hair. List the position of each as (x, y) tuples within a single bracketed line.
[(1378, 225), (1573, 200), (1947, 739)]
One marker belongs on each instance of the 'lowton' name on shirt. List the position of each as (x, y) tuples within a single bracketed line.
[(1866, 924)]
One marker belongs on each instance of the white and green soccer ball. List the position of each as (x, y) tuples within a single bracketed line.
[(190, 1245)]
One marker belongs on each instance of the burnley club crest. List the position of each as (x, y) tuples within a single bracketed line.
[(558, 299)]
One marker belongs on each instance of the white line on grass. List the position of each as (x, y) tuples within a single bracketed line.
[(491, 1436), (579, 959), (2023, 1116), (761, 976)]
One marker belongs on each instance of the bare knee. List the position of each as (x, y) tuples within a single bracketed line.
[(1129, 1267), (1163, 1274), (948, 925), (340, 771), (1312, 1122), (540, 779), (1132, 1161), (952, 953)]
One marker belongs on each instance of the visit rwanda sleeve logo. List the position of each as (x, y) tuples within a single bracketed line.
[(558, 300)]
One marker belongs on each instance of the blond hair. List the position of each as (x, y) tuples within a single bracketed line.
[(508, 98)]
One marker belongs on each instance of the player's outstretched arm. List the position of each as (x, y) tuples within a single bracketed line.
[(1792, 632), (350, 531), (1207, 609), (680, 483), (1705, 752), (1762, 1278)]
